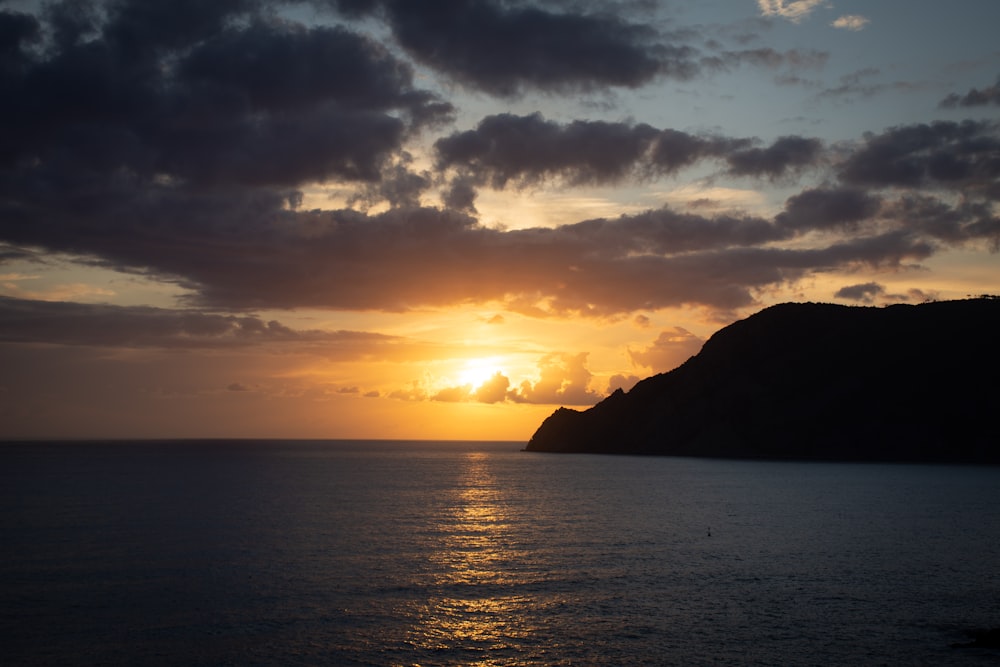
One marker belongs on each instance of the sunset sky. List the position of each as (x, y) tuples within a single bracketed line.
[(400, 219)]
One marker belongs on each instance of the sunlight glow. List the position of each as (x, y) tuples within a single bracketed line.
[(477, 371)]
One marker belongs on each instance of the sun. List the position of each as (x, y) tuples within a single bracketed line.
[(475, 372)]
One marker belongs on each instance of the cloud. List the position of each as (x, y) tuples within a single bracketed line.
[(957, 156), (282, 66), (623, 382), (398, 186), (461, 195), (507, 149), (103, 325), (860, 84), (528, 149), (564, 380), (416, 392), (664, 232), (825, 208), (16, 277), (868, 293), (795, 59), (407, 258), (955, 224), (12, 284), (670, 349), (786, 154), (462, 394), (255, 159), (854, 22), (11, 253), (506, 49), (18, 31), (450, 394), (178, 142), (211, 96), (864, 292), (468, 40), (493, 390), (976, 97), (793, 10)]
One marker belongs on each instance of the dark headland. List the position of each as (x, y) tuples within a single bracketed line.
[(813, 381)]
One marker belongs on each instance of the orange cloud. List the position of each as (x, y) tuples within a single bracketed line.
[(670, 349), (623, 382), (493, 390), (564, 380)]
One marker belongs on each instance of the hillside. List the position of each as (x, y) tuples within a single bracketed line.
[(814, 382)]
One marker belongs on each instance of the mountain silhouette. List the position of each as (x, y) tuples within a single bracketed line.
[(813, 381)]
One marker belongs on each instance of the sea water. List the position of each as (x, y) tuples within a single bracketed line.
[(410, 553)]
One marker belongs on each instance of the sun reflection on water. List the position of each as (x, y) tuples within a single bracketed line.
[(477, 599)]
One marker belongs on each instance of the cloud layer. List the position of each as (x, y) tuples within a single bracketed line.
[(175, 145), (182, 141)]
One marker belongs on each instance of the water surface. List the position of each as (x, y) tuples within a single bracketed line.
[(376, 553)]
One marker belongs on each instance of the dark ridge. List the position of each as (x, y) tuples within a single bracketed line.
[(812, 381)]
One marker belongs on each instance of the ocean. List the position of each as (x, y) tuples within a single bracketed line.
[(476, 553)]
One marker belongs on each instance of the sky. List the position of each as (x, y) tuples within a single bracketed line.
[(443, 220)]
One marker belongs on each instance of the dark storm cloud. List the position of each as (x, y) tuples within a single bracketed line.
[(460, 195), (976, 97), (137, 26), (507, 148), (786, 154), (175, 140), (398, 185), (287, 66), (17, 30), (407, 258), (186, 93), (870, 292), (864, 292), (828, 208), (103, 325), (10, 253), (526, 149), (502, 48), (665, 231), (673, 149), (241, 248), (320, 144), (950, 223), (506, 48), (962, 156), (245, 249)]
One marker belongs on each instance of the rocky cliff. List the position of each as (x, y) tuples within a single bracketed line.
[(815, 382)]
